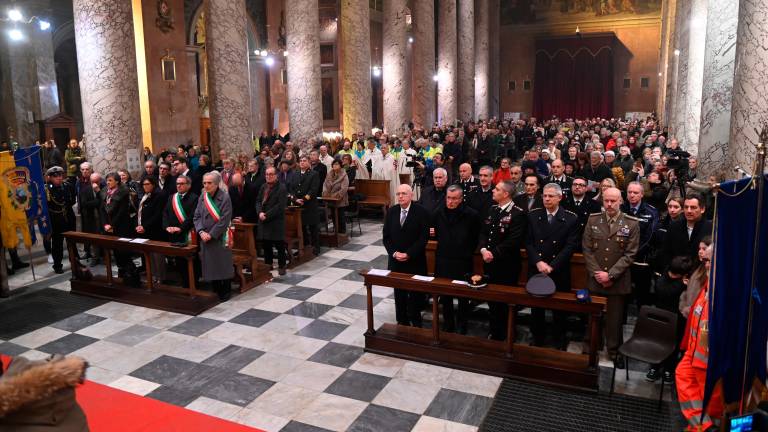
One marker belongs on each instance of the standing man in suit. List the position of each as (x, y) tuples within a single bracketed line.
[(243, 199), (178, 223), (551, 240), (165, 180), (558, 177), (501, 236), (457, 227), (531, 199), (406, 230), (610, 243), (579, 203), (433, 196), (481, 199), (270, 209), (648, 219), (305, 192), (685, 234)]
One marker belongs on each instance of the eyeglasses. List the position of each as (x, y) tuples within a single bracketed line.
[(181, 183)]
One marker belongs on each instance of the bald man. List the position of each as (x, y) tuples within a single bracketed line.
[(405, 234), (468, 182), (610, 242)]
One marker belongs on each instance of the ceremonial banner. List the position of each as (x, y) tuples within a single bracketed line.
[(732, 345), (37, 213)]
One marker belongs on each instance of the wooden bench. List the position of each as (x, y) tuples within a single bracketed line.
[(502, 358), (578, 267), (244, 258), (149, 294), (294, 238), (376, 193)]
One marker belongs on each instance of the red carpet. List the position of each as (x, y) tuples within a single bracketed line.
[(113, 410)]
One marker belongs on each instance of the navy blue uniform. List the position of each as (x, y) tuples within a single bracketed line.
[(648, 218)]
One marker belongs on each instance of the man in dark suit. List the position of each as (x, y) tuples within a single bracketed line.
[(531, 199), (481, 199), (432, 197), (558, 177), (165, 181), (501, 236), (406, 229), (457, 227), (684, 235), (318, 167), (270, 208), (648, 218), (243, 199), (579, 203), (88, 197), (177, 220), (305, 192), (551, 240)]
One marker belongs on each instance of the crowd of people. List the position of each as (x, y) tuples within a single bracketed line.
[(621, 192)]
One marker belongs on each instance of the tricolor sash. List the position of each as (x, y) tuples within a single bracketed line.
[(181, 215), (215, 212)]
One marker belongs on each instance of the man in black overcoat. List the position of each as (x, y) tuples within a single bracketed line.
[(178, 223), (305, 192)]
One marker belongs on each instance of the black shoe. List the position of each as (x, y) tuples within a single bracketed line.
[(58, 271), (668, 376), (653, 375), (19, 265), (11, 271), (281, 271)]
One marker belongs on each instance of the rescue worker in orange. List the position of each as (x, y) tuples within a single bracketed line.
[(691, 373)]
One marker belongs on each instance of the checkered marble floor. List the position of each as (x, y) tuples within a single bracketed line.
[(285, 356)]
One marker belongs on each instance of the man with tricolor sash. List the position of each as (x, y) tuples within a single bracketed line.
[(177, 220)]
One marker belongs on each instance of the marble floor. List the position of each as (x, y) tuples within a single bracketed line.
[(285, 356)]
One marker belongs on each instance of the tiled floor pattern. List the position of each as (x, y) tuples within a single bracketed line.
[(285, 356)]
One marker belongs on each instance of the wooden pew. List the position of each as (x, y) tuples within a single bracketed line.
[(175, 299), (376, 193), (578, 267), (294, 238), (244, 257), (501, 358)]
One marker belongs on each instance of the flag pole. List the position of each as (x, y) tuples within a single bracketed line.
[(759, 184)]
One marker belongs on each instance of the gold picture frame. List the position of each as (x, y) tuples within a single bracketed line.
[(168, 64)]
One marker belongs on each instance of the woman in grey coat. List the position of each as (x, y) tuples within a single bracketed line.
[(212, 218)]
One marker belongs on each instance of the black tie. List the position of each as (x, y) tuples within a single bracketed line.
[(633, 210)]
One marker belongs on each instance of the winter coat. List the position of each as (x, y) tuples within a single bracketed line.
[(215, 256)]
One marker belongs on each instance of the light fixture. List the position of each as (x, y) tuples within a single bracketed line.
[(44, 25), (376, 71), (659, 73), (15, 34), (677, 52), (410, 39), (256, 52), (269, 61), (436, 78), (264, 53), (15, 15), (285, 53)]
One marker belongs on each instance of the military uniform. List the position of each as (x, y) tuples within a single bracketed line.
[(60, 201), (648, 218), (481, 201), (468, 187), (583, 208), (563, 181), (502, 234), (611, 247), (552, 242)]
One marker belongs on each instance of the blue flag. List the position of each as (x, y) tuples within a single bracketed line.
[(37, 214), (733, 342)]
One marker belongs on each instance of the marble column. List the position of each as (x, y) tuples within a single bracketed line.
[(697, 40), (495, 49), (677, 125), (258, 96), (229, 96), (719, 60), (108, 83), (305, 110), (423, 84), (396, 88), (45, 74), (466, 60), (447, 62), (667, 30), (356, 73), (482, 61), (749, 111)]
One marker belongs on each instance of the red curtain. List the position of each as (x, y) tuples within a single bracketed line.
[(574, 77)]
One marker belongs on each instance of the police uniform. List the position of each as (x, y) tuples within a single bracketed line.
[(648, 219), (481, 201), (585, 207), (60, 201), (611, 247), (502, 234), (552, 242), (468, 187), (565, 183)]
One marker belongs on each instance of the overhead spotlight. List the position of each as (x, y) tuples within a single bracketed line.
[(264, 53), (436, 78), (44, 25), (15, 34), (659, 73), (256, 52), (269, 61), (376, 71), (15, 15), (677, 52), (410, 39), (285, 53)]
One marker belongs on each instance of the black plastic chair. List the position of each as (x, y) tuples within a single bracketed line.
[(653, 340)]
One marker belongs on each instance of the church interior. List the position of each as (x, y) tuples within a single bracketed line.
[(354, 116)]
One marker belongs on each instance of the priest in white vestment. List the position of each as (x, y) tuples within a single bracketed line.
[(385, 168)]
